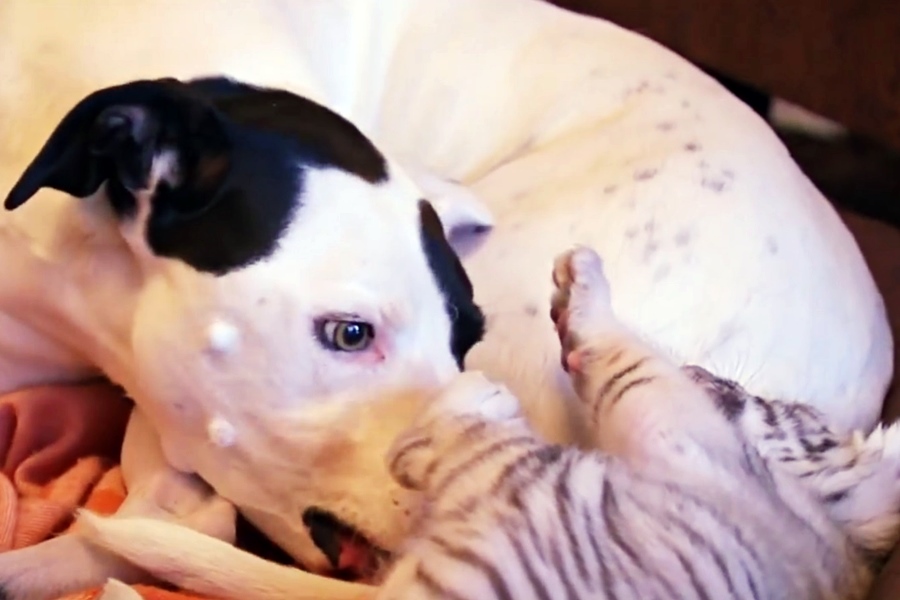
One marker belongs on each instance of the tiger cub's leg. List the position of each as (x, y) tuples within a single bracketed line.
[(856, 477), (792, 436), (638, 403)]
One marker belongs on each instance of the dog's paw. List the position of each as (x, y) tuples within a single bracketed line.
[(118, 590), (25, 576), (472, 394), (90, 525), (62, 565), (580, 306)]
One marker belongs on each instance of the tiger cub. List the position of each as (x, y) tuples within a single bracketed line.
[(696, 489)]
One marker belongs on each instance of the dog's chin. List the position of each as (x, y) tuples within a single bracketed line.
[(350, 552)]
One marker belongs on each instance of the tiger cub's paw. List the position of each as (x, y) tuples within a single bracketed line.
[(581, 306), (473, 394), (413, 456)]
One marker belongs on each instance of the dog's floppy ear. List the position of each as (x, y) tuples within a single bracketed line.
[(462, 210), (116, 133), (457, 205)]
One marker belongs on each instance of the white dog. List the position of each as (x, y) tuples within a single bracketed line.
[(273, 292)]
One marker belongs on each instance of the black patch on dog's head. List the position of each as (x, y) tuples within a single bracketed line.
[(466, 317), (240, 153)]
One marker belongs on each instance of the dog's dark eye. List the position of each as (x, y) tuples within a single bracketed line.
[(346, 336)]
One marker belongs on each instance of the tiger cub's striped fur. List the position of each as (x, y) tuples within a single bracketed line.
[(696, 489)]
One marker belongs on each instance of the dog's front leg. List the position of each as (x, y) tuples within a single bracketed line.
[(156, 490), (70, 563)]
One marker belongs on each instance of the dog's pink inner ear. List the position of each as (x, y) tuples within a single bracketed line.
[(126, 135), (117, 124), (211, 170)]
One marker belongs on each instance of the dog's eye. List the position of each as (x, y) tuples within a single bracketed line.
[(346, 336)]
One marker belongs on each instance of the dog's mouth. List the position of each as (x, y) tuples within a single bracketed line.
[(352, 555)]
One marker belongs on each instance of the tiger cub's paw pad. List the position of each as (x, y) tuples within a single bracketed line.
[(581, 300)]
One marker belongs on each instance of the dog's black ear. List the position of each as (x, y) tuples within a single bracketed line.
[(114, 135)]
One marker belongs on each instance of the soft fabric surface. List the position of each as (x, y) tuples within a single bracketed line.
[(59, 447), (147, 592)]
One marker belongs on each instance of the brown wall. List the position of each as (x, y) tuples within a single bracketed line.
[(839, 58)]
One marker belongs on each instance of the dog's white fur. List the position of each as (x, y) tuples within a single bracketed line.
[(572, 130)]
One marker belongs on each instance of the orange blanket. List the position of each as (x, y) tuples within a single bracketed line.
[(59, 447)]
